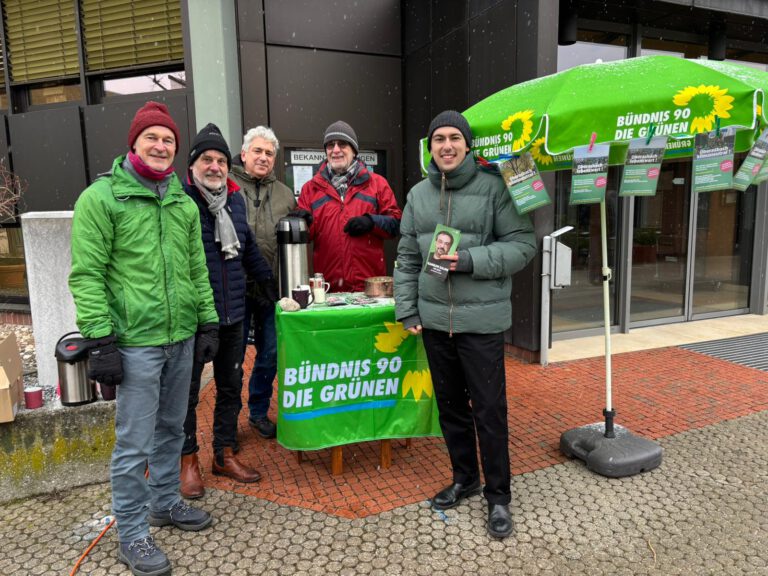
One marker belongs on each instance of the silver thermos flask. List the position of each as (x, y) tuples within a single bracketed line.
[(292, 243)]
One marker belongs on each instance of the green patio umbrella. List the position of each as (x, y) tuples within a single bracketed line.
[(618, 101), (612, 103)]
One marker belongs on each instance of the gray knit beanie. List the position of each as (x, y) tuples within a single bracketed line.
[(340, 130), (453, 119)]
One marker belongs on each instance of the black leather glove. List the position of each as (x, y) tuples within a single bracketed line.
[(105, 365), (206, 343), (267, 294), (359, 225), (301, 213)]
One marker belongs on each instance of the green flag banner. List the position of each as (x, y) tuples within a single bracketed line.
[(350, 374)]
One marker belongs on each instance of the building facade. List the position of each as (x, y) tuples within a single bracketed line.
[(75, 71)]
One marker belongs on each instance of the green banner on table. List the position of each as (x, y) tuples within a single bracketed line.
[(713, 160), (350, 374)]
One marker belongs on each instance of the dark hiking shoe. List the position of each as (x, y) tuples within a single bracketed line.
[(143, 557), (183, 516), (264, 427)]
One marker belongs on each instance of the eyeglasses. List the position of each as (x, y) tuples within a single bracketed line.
[(340, 143)]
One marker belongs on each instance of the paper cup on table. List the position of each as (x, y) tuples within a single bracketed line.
[(33, 397)]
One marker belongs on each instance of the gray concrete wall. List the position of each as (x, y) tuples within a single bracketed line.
[(48, 255)]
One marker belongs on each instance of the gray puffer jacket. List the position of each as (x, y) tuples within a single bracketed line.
[(499, 241)]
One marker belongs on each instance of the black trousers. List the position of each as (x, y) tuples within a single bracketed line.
[(470, 389), (228, 373)]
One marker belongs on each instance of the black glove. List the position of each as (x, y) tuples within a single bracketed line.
[(267, 293), (206, 342), (359, 225), (105, 365), (301, 213)]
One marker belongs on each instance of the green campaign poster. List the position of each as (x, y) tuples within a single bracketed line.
[(762, 175), (590, 174), (752, 164), (713, 160), (350, 374), (524, 183), (643, 166)]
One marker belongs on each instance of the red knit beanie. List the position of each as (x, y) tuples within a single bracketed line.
[(151, 114)]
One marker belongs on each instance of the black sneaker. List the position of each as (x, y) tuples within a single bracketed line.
[(183, 516), (264, 427), (143, 557)]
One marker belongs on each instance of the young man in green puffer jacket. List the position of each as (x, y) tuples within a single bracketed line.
[(462, 319), (144, 302)]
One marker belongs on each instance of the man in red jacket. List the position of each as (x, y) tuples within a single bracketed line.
[(353, 211)]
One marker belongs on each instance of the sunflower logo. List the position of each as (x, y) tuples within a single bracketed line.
[(521, 125), (706, 103), (538, 153), (418, 382)]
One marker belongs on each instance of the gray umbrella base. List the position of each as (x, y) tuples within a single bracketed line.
[(623, 455)]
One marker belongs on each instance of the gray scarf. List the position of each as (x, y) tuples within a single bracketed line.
[(341, 181), (224, 230)]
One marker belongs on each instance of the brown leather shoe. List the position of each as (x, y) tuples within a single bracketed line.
[(192, 486), (233, 468)]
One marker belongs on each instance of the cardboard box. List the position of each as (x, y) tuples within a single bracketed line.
[(11, 379)]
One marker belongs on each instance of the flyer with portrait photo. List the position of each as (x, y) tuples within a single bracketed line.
[(445, 241)]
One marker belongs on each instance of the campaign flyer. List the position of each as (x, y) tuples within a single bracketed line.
[(713, 160), (590, 174), (642, 166), (750, 168), (445, 241), (524, 183)]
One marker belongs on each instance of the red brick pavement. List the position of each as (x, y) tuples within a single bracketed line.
[(655, 393)]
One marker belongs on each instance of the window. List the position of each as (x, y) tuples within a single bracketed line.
[(145, 83)]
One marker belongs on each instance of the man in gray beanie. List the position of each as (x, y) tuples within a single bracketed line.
[(462, 319), (353, 211)]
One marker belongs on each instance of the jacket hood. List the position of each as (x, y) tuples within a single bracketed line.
[(455, 179)]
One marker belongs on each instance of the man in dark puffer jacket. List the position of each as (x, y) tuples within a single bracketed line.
[(230, 251)]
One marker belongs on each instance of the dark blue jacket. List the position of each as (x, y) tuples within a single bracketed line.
[(228, 276)]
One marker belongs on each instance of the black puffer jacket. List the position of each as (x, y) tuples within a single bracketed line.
[(228, 276)]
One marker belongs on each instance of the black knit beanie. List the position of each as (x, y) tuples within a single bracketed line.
[(340, 130), (453, 119), (209, 138)]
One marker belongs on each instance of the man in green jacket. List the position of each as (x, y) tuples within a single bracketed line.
[(140, 285), (267, 200), (462, 319)]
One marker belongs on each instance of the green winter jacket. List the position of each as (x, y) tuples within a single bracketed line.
[(138, 265), (500, 242), (266, 201)]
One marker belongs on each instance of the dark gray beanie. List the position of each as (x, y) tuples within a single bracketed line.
[(209, 138), (450, 118), (340, 130)]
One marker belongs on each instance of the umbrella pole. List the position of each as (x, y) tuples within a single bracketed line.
[(608, 411)]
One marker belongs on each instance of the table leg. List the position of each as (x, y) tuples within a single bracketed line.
[(299, 456), (337, 463), (408, 442), (385, 454)]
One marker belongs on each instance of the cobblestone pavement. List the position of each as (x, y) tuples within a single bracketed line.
[(704, 511)]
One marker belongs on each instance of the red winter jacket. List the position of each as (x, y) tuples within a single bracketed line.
[(344, 260)]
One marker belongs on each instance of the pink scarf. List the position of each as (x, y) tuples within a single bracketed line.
[(143, 170)]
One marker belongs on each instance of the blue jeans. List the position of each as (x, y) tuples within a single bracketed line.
[(151, 406), (228, 374), (265, 365)]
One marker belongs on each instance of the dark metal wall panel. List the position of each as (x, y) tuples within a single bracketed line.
[(250, 21), (476, 7), (417, 26), (310, 89), (48, 155), (372, 26), (493, 50), (447, 15), (449, 72), (4, 140), (418, 112), (107, 125), (253, 84)]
